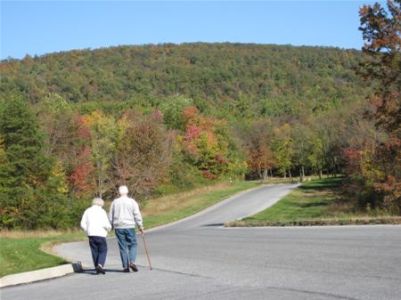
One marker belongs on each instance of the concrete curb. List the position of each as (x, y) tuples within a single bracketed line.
[(38, 275)]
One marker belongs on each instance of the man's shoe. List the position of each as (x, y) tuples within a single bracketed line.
[(99, 269), (133, 267), (126, 270)]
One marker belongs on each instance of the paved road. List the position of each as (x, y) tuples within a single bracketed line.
[(198, 259)]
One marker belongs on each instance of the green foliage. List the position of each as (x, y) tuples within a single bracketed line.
[(182, 175), (172, 109), (32, 186), (105, 135), (241, 80), (283, 148)]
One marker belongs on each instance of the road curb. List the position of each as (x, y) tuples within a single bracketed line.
[(38, 275)]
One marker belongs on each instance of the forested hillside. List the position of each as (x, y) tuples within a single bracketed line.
[(247, 80), (163, 118)]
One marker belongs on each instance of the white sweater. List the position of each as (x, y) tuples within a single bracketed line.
[(124, 213), (95, 222)]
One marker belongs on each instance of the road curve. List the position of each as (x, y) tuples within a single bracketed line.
[(198, 259)]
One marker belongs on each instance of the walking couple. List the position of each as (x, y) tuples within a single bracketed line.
[(123, 216)]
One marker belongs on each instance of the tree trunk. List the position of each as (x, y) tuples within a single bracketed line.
[(302, 173), (260, 175), (265, 175)]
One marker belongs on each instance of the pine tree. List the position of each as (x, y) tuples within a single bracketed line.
[(24, 168)]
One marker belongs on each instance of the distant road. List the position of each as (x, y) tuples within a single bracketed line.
[(199, 259)]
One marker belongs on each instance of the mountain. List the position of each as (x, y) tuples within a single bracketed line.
[(247, 79)]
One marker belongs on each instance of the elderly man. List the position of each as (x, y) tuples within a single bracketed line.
[(96, 225), (124, 215)]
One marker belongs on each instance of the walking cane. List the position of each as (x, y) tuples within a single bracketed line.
[(146, 250)]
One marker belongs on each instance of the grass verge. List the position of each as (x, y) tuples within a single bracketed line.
[(23, 251), (315, 203)]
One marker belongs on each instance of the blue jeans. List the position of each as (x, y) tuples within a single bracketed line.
[(98, 247), (127, 244)]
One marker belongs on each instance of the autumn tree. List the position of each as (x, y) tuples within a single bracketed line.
[(104, 136), (257, 139), (205, 143), (143, 153), (381, 31), (79, 158)]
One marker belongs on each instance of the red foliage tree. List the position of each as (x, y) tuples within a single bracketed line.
[(81, 167)]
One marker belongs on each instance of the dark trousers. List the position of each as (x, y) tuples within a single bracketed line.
[(98, 247)]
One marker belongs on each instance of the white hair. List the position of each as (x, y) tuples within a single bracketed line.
[(98, 201), (123, 190)]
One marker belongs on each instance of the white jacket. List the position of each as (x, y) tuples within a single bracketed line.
[(95, 222), (124, 213)]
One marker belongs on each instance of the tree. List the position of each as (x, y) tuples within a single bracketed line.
[(105, 133), (55, 116), (25, 171), (143, 153), (317, 154), (381, 30), (257, 141), (68, 140), (23, 144), (283, 148), (172, 108), (301, 146), (205, 143)]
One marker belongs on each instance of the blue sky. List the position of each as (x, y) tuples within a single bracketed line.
[(40, 27)]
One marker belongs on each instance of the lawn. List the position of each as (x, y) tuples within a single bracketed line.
[(315, 203), (21, 251)]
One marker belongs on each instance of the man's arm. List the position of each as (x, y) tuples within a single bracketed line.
[(106, 222), (111, 214), (138, 217), (84, 222)]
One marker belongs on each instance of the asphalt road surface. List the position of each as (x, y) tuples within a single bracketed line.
[(199, 259)]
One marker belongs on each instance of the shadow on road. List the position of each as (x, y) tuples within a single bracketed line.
[(214, 225), (93, 271)]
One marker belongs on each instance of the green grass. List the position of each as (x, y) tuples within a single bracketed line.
[(315, 203), (311, 200), (21, 254)]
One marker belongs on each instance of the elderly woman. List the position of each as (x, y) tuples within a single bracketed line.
[(96, 225)]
